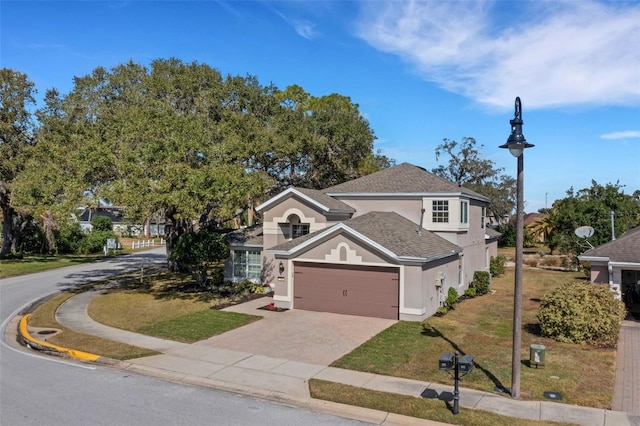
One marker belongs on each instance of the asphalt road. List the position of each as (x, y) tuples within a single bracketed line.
[(42, 390)]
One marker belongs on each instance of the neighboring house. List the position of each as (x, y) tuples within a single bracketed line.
[(617, 263), (86, 216), (389, 244), (120, 223)]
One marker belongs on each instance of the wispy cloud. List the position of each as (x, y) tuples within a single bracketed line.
[(303, 27), (628, 134), (549, 53)]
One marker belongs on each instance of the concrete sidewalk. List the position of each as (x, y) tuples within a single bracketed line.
[(285, 380)]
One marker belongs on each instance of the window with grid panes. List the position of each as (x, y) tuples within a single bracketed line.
[(246, 264), (440, 211), (299, 229)]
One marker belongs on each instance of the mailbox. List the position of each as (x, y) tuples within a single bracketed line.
[(465, 364), (446, 361)]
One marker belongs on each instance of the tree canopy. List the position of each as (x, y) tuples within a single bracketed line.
[(16, 137), (185, 140), (593, 207), (466, 167)]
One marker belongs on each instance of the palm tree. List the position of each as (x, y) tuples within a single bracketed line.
[(543, 227)]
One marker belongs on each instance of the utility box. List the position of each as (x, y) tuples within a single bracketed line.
[(445, 362), (536, 355)]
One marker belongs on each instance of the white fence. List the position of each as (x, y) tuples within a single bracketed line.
[(145, 243)]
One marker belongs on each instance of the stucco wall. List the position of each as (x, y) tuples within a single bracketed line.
[(599, 274)]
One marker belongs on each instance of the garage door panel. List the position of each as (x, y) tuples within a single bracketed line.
[(353, 290)]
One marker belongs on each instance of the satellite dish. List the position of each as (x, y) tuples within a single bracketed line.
[(584, 232)]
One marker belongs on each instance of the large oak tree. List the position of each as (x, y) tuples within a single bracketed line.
[(16, 137), (184, 140)]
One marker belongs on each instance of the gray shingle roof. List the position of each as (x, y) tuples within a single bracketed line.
[(391, 231), (331, 203), (250, 236), (404, 178), (625, 248)]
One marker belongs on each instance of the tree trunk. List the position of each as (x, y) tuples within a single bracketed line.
[(174, 228), (7, 229)]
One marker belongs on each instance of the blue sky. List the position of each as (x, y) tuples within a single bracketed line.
[(420, 71)]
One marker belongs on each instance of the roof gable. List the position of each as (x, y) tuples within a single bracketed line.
[(625, 248), (388, 232), (318, 199), (404, 178)]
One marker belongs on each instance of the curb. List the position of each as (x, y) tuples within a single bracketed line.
[(41, 345)]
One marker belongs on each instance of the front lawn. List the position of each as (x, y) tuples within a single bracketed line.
[(166, 305), (411, 406), (482, 326)]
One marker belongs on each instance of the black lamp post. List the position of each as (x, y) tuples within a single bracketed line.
[(516, 145)]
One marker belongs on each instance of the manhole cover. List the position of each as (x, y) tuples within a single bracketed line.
[(46, 332)]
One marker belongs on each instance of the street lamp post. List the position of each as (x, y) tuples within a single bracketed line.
[(516, 145)]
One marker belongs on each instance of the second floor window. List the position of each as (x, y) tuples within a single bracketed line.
[(440, 211), (464, 212), (299, 229)]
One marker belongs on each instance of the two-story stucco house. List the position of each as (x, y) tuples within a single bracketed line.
[(389, 244)]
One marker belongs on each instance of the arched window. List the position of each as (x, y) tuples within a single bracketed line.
[(296, 228)]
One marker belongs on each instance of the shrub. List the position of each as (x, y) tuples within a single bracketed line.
[(581, 313), (442, 310), (200, 252), (452, 298), (12, 256), (497, 265), (246, 287), (481, 282), (551, 261), (470, 292), (95, 242), (531, 261), (101, 223), (68, 238)]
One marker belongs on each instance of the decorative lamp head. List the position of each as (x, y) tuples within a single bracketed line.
[(516, 143)]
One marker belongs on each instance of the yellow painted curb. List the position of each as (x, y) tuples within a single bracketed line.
[(71, 352)]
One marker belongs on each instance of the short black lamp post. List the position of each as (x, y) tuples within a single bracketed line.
[(451, 361), (516, 145)]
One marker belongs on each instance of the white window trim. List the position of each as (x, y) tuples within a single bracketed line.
[(247, 265), (435, 212), (464, 212)]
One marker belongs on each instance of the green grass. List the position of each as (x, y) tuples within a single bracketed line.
[(39, 263), (44, 316), (198, 325), (412, 406), (482, 326)]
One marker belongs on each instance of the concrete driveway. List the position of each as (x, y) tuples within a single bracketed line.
[(297, 335)]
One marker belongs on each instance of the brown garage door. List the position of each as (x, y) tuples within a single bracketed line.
[(346, 289)]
